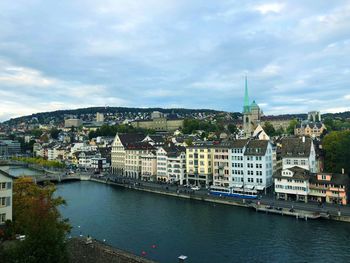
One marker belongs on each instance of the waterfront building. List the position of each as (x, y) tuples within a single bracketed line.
[(199, 164), (292, 184), (160, 122), (133, 161), (149, 166), (221, 165), (171, 164), (298, 152), (6, 183), (329, 188), (119, 144), (251, 114), (99, 164)]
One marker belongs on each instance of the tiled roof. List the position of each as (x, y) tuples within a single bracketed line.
[(336, 179), (295, 147), (298, 173), (256, 148), (127, 138)]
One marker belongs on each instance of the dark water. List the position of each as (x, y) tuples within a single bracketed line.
[(204, 232)]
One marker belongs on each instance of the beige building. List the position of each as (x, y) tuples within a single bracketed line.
[(133, 161), (149, 166), (221, 172), (69, 123), (121, 141), (310, 129), (159, 122), (199, 164), (6, 185)]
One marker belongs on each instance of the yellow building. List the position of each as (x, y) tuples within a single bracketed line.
[(199, 164), (310, 129)]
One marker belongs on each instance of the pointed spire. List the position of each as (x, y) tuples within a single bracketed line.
[(246, 107)]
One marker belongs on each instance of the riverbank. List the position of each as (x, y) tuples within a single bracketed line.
[(259, 206), (97, 252)]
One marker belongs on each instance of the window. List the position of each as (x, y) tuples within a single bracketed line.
[(2, 186), (2, 218), (2, 201), (295, 162), (288, 161)]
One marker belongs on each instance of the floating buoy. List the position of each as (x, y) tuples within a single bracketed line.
[(143, 253)]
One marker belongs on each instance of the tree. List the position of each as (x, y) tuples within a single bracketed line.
[(232, 128), (54, 133), (36, 215), (291, 126), (269, 129), (336, 145)]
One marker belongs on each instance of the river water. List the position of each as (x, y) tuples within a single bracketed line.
[(205, 232)]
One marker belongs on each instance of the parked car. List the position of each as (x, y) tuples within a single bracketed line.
[(195, 188)]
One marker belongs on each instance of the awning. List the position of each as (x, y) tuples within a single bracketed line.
[(260, 187), (250, 187), (238, 185)]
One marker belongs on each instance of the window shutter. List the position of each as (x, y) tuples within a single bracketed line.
[(8, 201), (9, 185)]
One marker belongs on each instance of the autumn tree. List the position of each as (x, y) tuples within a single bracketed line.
[(36, 215)]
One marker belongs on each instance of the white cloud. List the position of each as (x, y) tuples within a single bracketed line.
[(269, 8)]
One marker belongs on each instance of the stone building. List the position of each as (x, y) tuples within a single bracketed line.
[(160, 122)]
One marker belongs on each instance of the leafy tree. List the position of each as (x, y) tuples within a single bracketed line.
[(36, 132), (36, 215), (54, 133), (291, 126), (336, 145), (232, 128), (269, 129)]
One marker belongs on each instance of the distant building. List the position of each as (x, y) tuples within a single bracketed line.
[(13, 147), (73, 123), (312, 127), (160, 122), (6, 185), (100, 117), (3, 150), (251, 114)]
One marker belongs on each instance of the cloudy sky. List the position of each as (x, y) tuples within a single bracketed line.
[(174, 53)]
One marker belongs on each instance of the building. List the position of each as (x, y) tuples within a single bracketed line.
[(160, 122), (72, 123), (119, 145), (171, 164), (199, 164), (99, 164), (298, 152), (222, 165), (13, 147), (133, 161), (251, 114), (100, 117), (6, 185), (329, 188), (149, 166), (312, 129), (292, 184), (3, 150)]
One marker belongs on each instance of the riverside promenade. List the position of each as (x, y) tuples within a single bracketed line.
[(266, 204)]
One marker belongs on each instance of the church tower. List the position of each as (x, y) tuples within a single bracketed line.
[(251, 113)]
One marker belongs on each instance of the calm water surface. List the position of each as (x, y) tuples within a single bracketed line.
[(19, 171), (204, 232)]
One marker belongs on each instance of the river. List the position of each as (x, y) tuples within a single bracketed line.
[(205, 232)]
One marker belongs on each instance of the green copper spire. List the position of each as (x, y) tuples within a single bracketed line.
[(246, 107)]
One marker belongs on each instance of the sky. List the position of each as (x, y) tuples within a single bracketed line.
[(69, 54)]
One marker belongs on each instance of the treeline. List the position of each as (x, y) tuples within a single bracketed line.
[(336, 124), (111, 131), (40, 161), (336, 145)]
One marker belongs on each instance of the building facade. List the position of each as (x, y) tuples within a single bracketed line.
[(6, 185)]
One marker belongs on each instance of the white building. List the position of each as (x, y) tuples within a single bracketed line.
[(244, 165), (292, 184), (299, 152), (171, 164), (100, 117), (6, 183)]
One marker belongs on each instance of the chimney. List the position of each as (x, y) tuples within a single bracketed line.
[(303, 139)]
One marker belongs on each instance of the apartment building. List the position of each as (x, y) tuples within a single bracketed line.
[(133, 162), (199, 164), (149, 166), (121, 141), (298, 152), (6, 184)]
